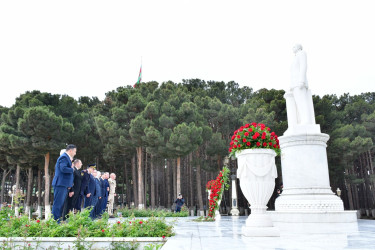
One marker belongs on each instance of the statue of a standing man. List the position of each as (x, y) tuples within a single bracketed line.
[(300, 108)]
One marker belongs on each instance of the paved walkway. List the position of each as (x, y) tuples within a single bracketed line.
[(226, 234)]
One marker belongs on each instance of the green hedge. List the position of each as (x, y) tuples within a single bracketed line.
[(81, 225), (132, 212)]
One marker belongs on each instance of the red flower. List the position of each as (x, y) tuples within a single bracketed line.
[(103, 230), (9, 206), (234, 146), (274, 145), (248, 143), (37, 221), (246, 133), (231, 143), (239, 145), (241, 129), (254, 124), (272, 133), (247, 125), (238, 136), (270, 143), (244, 140), (264, 135), (163, 236), (264, 144), (130, 222), (233, 137), (250, 130), (118, 222), (140, 222), (230, 150), (258, 144)]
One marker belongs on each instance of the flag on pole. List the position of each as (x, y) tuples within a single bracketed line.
[(139, 77)]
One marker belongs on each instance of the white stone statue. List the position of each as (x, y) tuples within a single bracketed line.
[(300, 108)]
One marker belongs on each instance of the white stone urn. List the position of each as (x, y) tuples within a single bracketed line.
[(257, 172)]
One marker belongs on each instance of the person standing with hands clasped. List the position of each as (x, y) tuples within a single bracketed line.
[(180, 202), (63, 180)]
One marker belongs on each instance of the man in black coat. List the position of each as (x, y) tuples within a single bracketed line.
[(105, 189), (98, 205), (75, 190), (85, 181), (90, 190)]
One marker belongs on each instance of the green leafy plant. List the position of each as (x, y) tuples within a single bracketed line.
[(252, 136), (126, 212), (204, 219), (81, 226), (153, 246)]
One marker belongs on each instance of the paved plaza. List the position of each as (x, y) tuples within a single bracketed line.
[(226, 234)]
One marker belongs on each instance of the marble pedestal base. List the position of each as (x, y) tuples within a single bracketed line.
[(315, 222), (260, 225)]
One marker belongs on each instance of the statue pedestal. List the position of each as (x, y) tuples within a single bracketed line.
[(307, 196)]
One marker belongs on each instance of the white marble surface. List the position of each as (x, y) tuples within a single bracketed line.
[(226, 234)]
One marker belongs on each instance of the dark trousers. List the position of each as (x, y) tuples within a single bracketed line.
[(94, 201), (59, 197), (88, 201), (104, 205), (78, 202), (98, 208)]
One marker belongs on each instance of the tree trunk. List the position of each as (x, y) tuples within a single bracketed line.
[(168, 176), (5, 173), (173, 168), (199, 184), (47, 206), (29, 190), (152, 183), (371, 172), (178, 177), (134, 177), (145, 181), (39, 194), (350, 195), (191, 180), (141, 204), (16, 192), (125, 186)]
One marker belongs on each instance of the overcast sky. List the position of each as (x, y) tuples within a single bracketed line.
[(87, 48)]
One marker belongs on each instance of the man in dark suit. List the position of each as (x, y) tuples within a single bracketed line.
[(98, 205), (63, 180), (95, 195), (85, 177), (75, 190), (90, 189), (105, 189)]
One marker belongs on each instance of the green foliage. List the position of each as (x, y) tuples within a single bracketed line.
[(204, 219), (132, 212), (81, 226)]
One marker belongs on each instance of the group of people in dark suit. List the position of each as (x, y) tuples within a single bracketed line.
[(74, 187)]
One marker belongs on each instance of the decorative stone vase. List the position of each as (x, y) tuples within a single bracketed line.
[(257, 172)]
